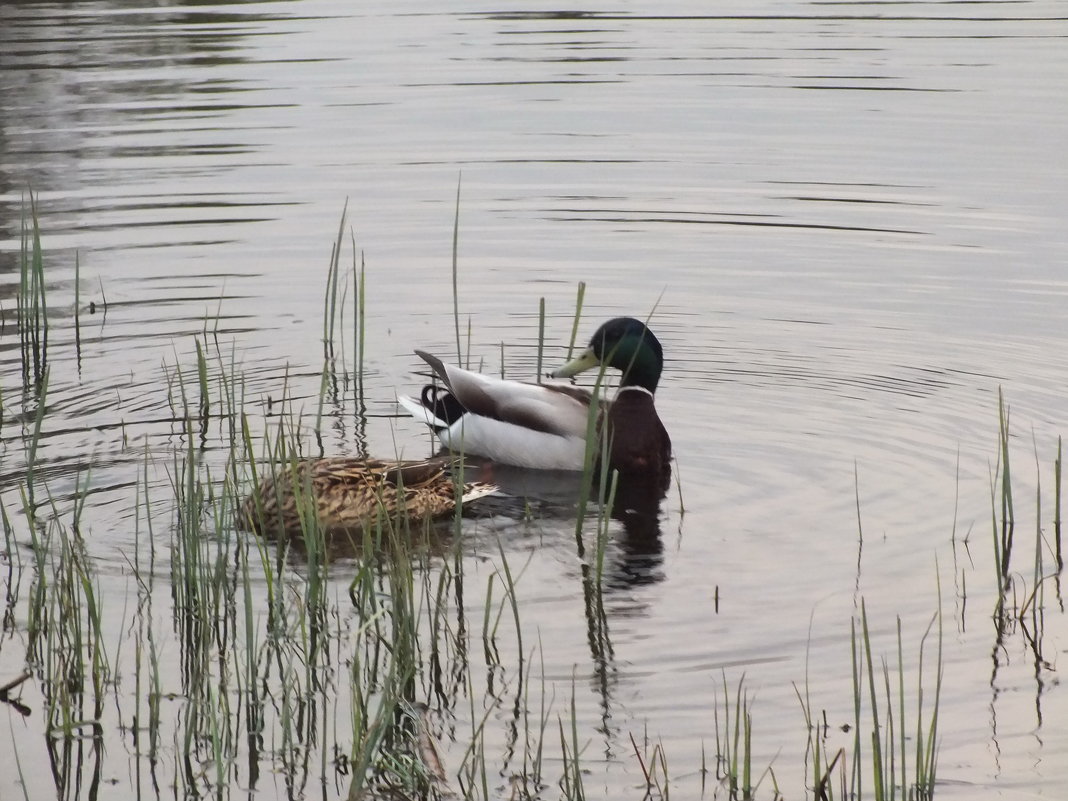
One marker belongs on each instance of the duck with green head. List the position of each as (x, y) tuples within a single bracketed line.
[(543, 426), (638, 441)]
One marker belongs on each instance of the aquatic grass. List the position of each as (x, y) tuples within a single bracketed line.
[(276, 670), (595, 484), (144, 577), (392, 753), (78, 309), (271, 653), (1016, 603), (596, 448), (1057, 467), (1001, 497), (455, 272), (734, 741), (609, 483), (330, 300), (541, 338), (926, 746), (32, 303), (66, 641), (654, 768), (324, 385), (18, 761), (103, 301), (571, 782), (879, 699), (530, 783), (885, 750), (41, 398), (513, 602), (211, 602), (360, 322), (205, 393), (579, 298), (15, 567), (206, 613), (489, 633), (247, 678)]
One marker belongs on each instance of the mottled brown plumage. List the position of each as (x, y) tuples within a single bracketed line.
[(349, 494)]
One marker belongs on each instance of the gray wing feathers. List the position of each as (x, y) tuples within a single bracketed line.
[(540, 407)]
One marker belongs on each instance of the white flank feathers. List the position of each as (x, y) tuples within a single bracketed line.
[(512, 422), (513, 444)]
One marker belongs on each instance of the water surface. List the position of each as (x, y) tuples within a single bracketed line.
[(846, 221)]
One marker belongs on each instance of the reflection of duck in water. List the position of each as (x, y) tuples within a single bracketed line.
[(637, 507), (349, 494), (544, 426), (548, 499)]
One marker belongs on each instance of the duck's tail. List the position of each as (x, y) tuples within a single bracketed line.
[(436, 406), (478, 489), (421, 413)]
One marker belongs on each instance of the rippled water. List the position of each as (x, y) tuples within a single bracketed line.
[(847, 221)]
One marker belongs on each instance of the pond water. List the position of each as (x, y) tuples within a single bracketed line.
[(846, 221)]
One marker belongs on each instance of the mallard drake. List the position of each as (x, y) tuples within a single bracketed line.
[(543, 426), (352, 493)]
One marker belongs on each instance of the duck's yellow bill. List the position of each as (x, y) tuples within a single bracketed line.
[(584, 361)]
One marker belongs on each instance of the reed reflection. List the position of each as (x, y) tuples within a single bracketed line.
[(637, 556)]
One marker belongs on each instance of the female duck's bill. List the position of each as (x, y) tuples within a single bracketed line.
[(543, 426)]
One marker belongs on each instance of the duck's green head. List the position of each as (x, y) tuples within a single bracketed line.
[(625, 344)]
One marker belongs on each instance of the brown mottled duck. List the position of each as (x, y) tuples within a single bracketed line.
[(349, 494)]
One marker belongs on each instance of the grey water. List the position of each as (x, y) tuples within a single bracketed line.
[(846, 222)]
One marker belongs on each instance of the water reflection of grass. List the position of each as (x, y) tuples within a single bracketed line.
[(347, 677)]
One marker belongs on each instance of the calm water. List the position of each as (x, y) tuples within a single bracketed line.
[(846, 219)]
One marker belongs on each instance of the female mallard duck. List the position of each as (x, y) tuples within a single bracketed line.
[(349, 494), (544, 426)]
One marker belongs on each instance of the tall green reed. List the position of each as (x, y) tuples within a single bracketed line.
[(734, 741), (32, 304), (1057, 467), (1004, 529), (455, 271), (580, 297), (884, 760), (330, 299)]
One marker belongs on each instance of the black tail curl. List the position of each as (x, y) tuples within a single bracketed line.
[(442, 404)]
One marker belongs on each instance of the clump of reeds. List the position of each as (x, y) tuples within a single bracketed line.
[(734, 742), (1020, 600), (32, 299), (880, 701)]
